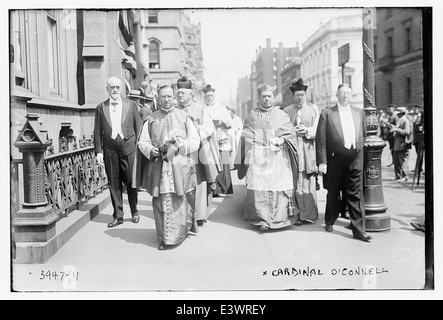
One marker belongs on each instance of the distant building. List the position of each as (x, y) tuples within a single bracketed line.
[(398, 48), (194, 57), (319, 60), (291, 71), (267, 68), (173, 47)]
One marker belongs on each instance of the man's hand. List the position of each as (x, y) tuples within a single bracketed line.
[(301, 130), (178, 141), (323, 168), (155, 152), (99, 157)]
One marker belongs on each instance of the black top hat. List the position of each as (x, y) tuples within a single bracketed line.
[(208, 88), (184, 83), (298, 85)]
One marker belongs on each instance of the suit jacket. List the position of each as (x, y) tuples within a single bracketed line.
[(330, 138), (401, 136), (131, 126)]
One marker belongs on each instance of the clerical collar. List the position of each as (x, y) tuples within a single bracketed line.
[(266, 109), (168, 110), (186, 105)]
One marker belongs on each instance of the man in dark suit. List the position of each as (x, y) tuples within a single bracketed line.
[(340, 139), (116, 129)]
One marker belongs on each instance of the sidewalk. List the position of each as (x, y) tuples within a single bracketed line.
[(229, 254)]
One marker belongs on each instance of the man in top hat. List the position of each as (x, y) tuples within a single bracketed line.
[(208, 164), (402, 132), (116, 128), (339, 151), (304, 119), (223, 123)]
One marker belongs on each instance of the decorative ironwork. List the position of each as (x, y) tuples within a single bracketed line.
[(72, 176), (372, 172), (371, 123), (368, 53), (369, 98)]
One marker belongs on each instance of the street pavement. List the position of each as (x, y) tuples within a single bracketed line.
[(229, 254)]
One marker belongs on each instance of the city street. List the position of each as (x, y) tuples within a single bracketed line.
[(229, 254)]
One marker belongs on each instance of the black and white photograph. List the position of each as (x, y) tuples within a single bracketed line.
[(211, 148)]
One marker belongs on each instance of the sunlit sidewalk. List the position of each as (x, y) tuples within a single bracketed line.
[(229, 254)]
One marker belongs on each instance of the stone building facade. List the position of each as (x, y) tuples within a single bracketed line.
[(398, 57), (319, 60)]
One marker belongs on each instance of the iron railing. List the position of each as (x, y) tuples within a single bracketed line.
[(70, 177)]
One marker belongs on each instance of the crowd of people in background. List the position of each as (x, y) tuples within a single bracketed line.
[(402, 128), (182, 152)]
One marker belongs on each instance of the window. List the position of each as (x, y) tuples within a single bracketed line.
[(408, 37), (348, 79), (152, 16), (53, 65), (389, 92), (408, 89), (154, 54), (389, 46), (19, 47)]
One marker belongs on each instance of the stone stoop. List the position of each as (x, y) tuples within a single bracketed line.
[(66, 228)]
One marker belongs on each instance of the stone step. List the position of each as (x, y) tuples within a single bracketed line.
[(66, 228)]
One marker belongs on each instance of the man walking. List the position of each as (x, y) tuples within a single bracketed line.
[(169, 140), (223, 123), (339, 142), (401, 133), (208, 165), (116, 128)]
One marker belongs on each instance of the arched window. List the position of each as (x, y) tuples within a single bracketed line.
[(154, 54)]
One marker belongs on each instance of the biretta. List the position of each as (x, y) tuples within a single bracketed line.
[(298, 85), (184, 83), (208, 88), (264, 87)]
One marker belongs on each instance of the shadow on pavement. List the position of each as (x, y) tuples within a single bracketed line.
[(229, 211), (136, 236), (102, 218)]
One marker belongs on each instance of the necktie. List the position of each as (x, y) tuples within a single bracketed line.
[(114, 105)]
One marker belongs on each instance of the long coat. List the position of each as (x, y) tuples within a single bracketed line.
[(309, 118)]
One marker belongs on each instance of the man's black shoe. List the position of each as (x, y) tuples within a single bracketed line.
[(329, 228), (362, 237), (115, 223), (136, 217)]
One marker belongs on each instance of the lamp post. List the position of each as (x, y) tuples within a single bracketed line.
[(376, 218)]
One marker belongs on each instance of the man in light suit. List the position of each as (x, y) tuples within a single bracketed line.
[(339, 141), (116, 129)]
